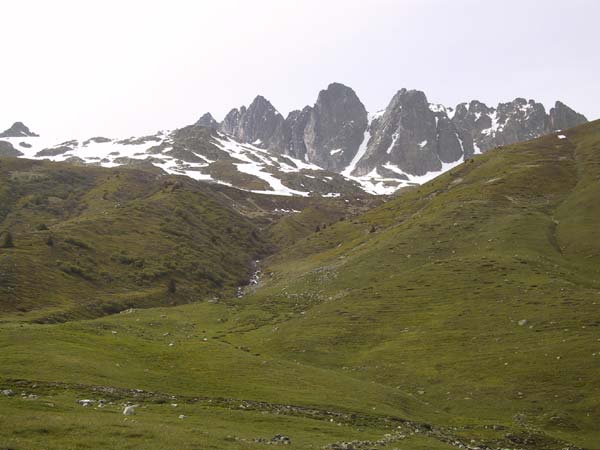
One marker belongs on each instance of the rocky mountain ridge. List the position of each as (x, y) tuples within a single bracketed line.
[(407, 140), (332, 148)]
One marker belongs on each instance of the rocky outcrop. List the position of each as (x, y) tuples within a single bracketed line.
[(207, 121), (96, 140), (333, 147), (7, 149), (296, 123), (414, 137), (519, 120), (327, 134), (563, 117), (18, 129), (485, 128), (411, 138), (260, 124), (335, 128)]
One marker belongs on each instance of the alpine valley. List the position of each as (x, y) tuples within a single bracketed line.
[(239, 285)]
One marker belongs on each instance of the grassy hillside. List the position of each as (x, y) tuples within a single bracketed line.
[(88, 241), (465, 312), (478, 293)]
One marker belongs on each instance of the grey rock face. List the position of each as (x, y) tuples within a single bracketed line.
[(196, 139), (18, 129), (295, 124), (328, 134), (563, 117), (410, 138), (415, 137), (208, 121), (335, 128), (231, 122), (260, 124), (96, 140), (470, 121), (54, 151), (520, 120), (58, 149), (7, 149)]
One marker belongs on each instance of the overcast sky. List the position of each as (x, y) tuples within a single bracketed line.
[(121, 68)]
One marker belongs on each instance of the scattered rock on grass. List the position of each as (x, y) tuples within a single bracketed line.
[(129, 410), (281, 439)]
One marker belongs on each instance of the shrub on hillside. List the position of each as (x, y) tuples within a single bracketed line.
[(171, 286), (7, 240), (71, 269), (77, 243)]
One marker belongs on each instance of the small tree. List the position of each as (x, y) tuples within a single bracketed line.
[(7, 240), (172, 286), (50, 241)]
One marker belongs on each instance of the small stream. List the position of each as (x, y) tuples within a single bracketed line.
[(254, 279)]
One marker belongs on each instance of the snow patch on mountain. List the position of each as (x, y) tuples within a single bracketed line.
[(362, 149), (278, 188), (158, 150)]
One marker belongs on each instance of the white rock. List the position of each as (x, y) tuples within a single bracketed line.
[(129, 410)]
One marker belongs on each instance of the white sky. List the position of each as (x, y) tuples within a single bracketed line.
[(120, 68)]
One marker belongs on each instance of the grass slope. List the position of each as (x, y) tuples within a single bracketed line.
[(90, 241), (464, 312), (433, 301)]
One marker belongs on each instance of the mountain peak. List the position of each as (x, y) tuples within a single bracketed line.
[(335, 86), (207, 121), (18, 129), (259, 124), (261, 100), (335, 128), (410, 139), (263, 105), (562, 117), (410, 98)]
